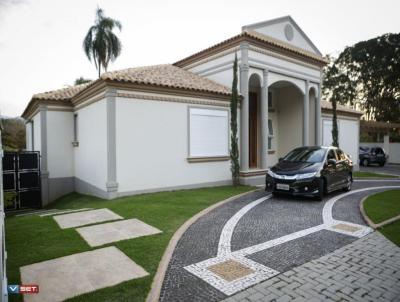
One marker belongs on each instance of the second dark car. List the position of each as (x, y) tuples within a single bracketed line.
[(374, 155), (311, 171)]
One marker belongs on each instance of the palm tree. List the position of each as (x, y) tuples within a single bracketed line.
[(100, 43)]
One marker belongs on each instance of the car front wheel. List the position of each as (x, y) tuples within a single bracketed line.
[(365, 162)]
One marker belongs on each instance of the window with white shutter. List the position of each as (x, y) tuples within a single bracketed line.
[(208, 132)]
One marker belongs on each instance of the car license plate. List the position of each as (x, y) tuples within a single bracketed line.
[(284, 187)]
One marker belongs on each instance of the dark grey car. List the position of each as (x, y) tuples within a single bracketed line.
[(311, 171)]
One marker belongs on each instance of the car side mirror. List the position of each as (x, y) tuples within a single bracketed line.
[(332, 162), (373, 153), (280, 159)]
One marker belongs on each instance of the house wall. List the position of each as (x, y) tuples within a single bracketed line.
[(60, 153), (290, 120), (37, 137), (152, 148), (282, 65), (217, 67), (28, 136), (90, 157), (349, 132)]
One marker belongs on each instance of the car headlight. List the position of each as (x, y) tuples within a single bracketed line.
[(306, 175), (270, 173)]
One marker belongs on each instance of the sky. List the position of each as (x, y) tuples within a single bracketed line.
[(41, 40)]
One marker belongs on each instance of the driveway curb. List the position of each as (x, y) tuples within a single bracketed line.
[(154, 294)]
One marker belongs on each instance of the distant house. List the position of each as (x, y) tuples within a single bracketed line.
[(167, 126)]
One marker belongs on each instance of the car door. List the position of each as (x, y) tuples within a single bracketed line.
[(380, 155), (330, 170), (341, 168), (372, 155)]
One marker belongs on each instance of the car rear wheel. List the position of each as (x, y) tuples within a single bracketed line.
[(382, 164), (365, 162), (321, 190), (347, 188)]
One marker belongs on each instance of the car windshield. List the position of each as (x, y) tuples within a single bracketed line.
[(306, 155)]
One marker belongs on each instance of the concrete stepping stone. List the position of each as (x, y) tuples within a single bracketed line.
[(66, 277), (58, 212), (115, 231), (83, 218)]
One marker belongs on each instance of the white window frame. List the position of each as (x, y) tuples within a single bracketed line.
[(270, 135), (75, 141), (207, 157)]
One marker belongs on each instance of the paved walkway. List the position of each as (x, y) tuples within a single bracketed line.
[(365, 270), (258, 237)]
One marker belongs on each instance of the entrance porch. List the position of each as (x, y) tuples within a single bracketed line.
[(278, 114)]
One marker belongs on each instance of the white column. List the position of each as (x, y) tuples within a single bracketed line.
[(306, 115), (244, 110), (318, 123), (264, 121), (386, 144)]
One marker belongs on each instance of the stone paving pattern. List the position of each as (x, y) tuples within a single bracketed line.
[(198, 243), (365, 270), (262, 223)]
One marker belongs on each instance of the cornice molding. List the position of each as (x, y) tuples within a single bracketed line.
[(141, 96)]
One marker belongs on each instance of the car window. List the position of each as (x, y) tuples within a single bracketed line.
[(306, 155), (340, 154), (331, 155), (379, 151)]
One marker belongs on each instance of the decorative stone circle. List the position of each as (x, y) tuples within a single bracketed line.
[(230, 270), (346, 227), (289, 32)]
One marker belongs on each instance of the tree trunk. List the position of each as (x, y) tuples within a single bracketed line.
[(99, 68)]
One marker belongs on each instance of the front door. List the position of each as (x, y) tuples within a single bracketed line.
[(253, 127)]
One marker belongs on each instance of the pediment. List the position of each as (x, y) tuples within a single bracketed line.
[(284, 29)]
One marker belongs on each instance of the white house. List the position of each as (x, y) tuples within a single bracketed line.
[(167, 126)]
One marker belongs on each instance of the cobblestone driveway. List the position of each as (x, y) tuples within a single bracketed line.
[(256, 238), (365, 270)]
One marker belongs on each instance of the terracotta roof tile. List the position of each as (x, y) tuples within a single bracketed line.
[(61, 94), (257, 36), (166, 76)]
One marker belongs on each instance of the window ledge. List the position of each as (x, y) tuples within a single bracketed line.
[(200, 159), (75, 144)]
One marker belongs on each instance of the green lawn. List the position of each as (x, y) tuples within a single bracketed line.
[(361, 174), (31, 239), (392, 232), (383, 206)]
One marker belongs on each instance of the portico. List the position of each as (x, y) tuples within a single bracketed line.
[(289, 105)]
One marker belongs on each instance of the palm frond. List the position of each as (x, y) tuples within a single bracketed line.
[(100, 43)]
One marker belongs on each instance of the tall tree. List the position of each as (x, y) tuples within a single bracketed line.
[(234, 152), (368, 73), (100, 43), (13, 134)]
